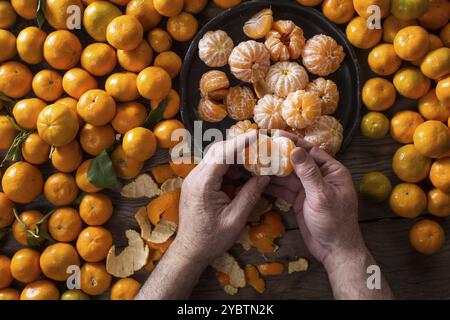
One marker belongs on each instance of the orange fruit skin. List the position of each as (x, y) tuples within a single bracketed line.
[(96, 107), (435, 43), (360, 35), (122, 86), (22, 182), (440, 174), (95, 280), (168, 8), (432, 109), (411, 42), (60, 189), (56, 258), (25, 265), (404, 124), (129, 115), (93, 243), (35, 150), (65, 224), (8, 15), (57, 125), (409, 165), (432, 139), (163, 206), (226, 4), (145, 12), (362, 6), (392, 25), (436, 63), (408, 200), (40, 290), (411, 83), (62, 50), (125, 289), (71, 103), (194, 6), (8, 43), (374, 125), (99, 59), (436, 16), (97, 16), (124, 32), (47, 85), (427, 236), (7, 131), (378, 94), (164, 130), (182, 170), (136, 60), (443, 90), (29, 218), (26, 112), (169, 61), (271, 269), (162, 173), (139, 144), (172, 107), (96, 209), (6, 211), (439, 203), (154, 83), (15, 79), (5, 274), (57, 12), (9, 294), (125, 167), (67, 158), (159, 39), (96, 139), (182, 27), (408, 9), (82, 179), (30, 44), (253, 278), (383, 60), (338, 11), (445, 35), (77, 81)]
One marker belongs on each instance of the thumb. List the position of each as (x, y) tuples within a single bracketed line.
[(247, 198), (308, 171)]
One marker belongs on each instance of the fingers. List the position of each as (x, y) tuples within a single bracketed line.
[(244, 202), (281, 192), (308, 172), (291, 182), (219, 157), (296, 139)]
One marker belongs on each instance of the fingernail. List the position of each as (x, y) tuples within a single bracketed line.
[(298, 156), (263, 181)]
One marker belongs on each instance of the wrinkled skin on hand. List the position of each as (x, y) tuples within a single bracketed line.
[(210, 222)]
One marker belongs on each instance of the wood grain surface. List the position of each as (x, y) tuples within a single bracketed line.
[(411, 275)]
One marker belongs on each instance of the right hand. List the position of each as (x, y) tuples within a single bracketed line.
[(324, 201)]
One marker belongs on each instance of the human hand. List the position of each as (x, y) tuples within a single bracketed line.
[(210, 222), (324, 201)]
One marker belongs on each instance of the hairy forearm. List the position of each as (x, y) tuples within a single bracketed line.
[(174, 277), (347, 272)]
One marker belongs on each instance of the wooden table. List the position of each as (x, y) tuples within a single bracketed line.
[(410, 274)]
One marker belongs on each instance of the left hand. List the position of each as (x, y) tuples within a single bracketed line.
[(210, 222)]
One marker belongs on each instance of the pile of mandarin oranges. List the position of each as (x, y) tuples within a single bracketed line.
[(83, 100)]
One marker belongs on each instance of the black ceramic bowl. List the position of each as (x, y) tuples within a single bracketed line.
[(311, 21)]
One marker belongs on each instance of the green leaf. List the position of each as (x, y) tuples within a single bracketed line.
[(155, 115), (40, 17), (14, 153), (4, 232), (44, 234), (101, 172), (7, 102), (33, 242)]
